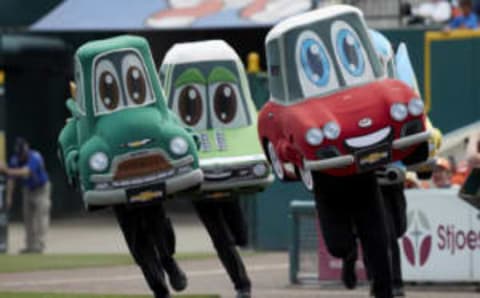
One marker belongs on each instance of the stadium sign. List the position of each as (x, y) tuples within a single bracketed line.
[(442, 242)]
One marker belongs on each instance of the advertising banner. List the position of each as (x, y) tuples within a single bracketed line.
[(441, 244)]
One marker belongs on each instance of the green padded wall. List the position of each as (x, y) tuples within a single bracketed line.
[(452, 69)]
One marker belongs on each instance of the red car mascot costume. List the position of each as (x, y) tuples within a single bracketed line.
[(333, 118)]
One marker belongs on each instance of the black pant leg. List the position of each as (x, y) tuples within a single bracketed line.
[(235, 219), (137, 235), (162, 235), (369, 217), (211, 214), (334, 215), (396, 217), (396, 207)]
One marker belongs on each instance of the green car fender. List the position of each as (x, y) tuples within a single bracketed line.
[(67, 150), (93, 146)]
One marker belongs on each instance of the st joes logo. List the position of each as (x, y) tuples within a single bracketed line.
[(417, 242)]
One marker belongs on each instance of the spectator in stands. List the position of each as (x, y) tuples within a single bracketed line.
[(442, 173), (467, 20), (461, 173), (431, 12), (27, 165)]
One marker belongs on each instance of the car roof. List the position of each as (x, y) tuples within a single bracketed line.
[(327, 12), (200, 51), (91, 49)]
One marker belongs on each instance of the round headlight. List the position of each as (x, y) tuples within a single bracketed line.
[(98, 161), (331, 130), (314, 136), (416, 107), (398, 111), (260, 170), (178, 146)]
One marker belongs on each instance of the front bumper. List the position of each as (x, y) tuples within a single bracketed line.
[(260, 183), (119, 195), (349, 159), (219, 173)]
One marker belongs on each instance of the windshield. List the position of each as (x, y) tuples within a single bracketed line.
[(120, 80), (329, 55), (208, 95)]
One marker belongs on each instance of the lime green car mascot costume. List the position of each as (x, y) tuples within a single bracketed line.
[(126, 149), (206, 86)]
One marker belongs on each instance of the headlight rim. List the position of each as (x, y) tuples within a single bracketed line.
[(411, 106), (95, 167), (320, 136), (173, 149), (264, 170), (338, 128), (393, 113)]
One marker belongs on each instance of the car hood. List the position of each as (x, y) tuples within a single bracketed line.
[(238, 142), (350, 106), (136, 129)]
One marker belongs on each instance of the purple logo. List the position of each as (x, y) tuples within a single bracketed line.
[(417, 242)]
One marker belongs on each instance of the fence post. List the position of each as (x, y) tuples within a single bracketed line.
[(293, 244)]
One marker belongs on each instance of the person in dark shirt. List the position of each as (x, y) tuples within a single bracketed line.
[(28, 167)]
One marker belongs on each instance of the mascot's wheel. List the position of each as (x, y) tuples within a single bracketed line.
[(276, 163), (307, 178)]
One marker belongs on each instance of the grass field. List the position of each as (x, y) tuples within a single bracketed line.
[(23, 263), (50, 295)]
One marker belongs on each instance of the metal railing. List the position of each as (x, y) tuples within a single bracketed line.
[(303, 250)]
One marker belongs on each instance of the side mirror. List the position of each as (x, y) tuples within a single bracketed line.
[(195, 136), (73, 108), (198, 142)]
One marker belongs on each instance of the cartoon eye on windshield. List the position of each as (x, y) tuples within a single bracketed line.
[(351, 54), (314, 65), (189, 99), (226, 105), (190, 105), (108, 94), (135, 81)]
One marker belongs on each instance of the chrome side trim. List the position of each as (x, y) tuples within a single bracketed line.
[(411, 140), (330, 163)]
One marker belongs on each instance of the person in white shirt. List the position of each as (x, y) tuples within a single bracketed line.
[(431, 12)]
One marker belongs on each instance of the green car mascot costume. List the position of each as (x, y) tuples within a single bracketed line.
[(125, 149), (206, 86)]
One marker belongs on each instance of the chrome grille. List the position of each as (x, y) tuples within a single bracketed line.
[(220, 140), (141, 166), (205, 143)]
